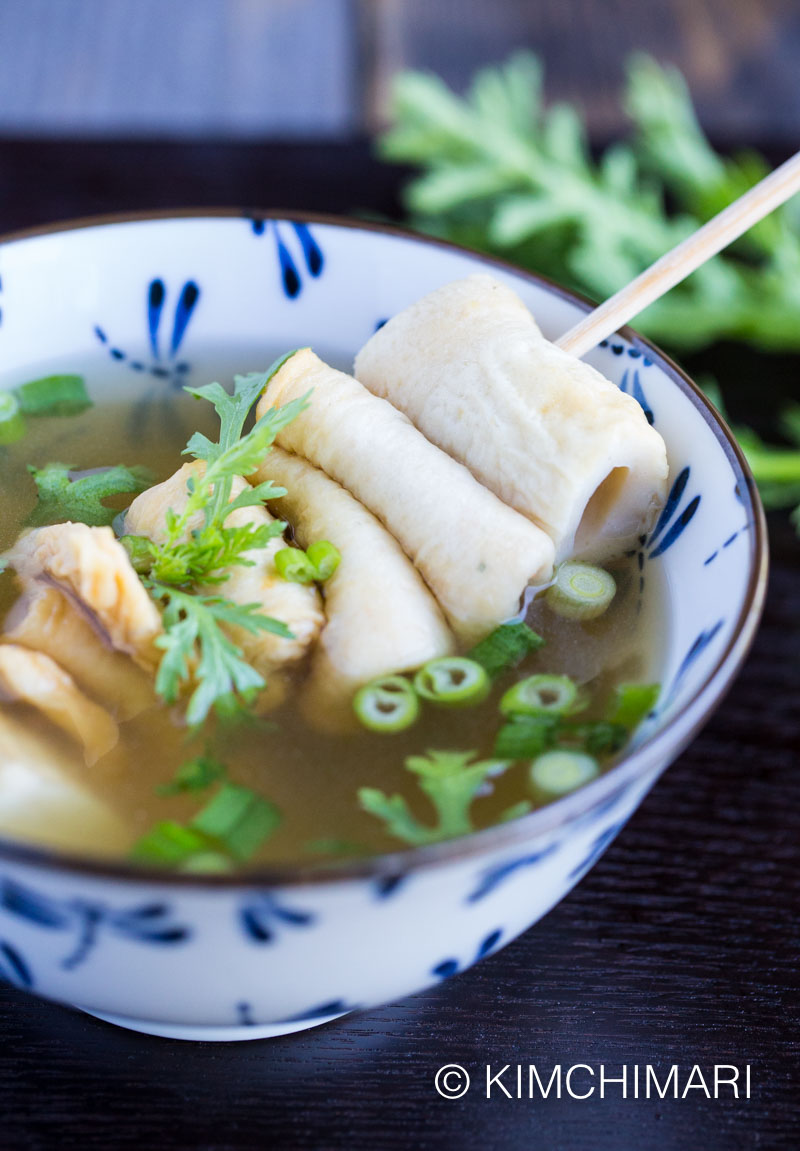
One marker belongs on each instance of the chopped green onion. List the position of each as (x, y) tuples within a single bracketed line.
[(140, 553), (294, 565), (239, 819), (170, 843), (632, 702), (598, 738), (581, 591), (559, 772), (505, 647), (526, 736), (325, 558), (54, 396), (389, 704), (12, 424), (453, 681), (195, 775), (541, 695)]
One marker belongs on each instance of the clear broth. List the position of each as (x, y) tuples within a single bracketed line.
[(313, 779)]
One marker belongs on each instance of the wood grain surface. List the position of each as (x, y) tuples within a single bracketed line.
[(681, 946)]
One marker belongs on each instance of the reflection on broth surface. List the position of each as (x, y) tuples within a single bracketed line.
[(312, 777)]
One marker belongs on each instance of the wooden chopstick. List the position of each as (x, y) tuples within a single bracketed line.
[(677, 264)]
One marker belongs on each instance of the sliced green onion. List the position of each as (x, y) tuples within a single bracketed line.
[(505, 647), (325, 558), (170, 843), (140, 553), (581, 591), (526, 736), (238, 818), (632, 702), (559, 772), (541, 695), (599, 738), (387, 705), (453, 681), (54, 396), (295, 566), (12, 424)]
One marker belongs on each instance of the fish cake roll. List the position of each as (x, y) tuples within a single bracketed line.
[(381, 618), (547, 433), (476, 554)]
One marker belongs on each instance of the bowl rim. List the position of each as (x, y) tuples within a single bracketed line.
[(570, 807)]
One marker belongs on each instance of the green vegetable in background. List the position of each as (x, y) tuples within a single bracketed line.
[(505, 174)]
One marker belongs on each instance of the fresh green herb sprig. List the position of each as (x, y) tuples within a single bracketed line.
[(64, 494), (451, 783), (201, 557), (196, 648), (195, 644), (504, 173)]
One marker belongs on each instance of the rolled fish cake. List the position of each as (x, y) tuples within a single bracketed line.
[(381, 618), (475, 554), (547, 433)]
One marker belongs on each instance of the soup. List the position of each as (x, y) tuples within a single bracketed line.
[(495, 724)]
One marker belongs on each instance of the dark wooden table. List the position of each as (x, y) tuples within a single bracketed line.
[(680, 947)]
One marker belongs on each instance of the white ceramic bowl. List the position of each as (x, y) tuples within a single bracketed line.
[(294, 946)]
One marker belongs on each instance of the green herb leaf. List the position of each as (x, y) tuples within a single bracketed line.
[(527, 736), (203, 557), (67, 495), (505, 647), (53, 396), (450, 782), (195, 647), (194, 775)]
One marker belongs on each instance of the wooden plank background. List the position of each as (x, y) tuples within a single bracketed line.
[(322, 67)]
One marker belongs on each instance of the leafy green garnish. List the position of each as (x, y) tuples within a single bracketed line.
[(505, 647), (195, 644), (504, 173), (63, 395), (64, 495), (229, 829), (214, 547), (195, 647), (195, 775), (451, 783), (527, 736)]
